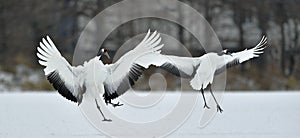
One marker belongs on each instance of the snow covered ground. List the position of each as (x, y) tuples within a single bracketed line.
[(245, 114)]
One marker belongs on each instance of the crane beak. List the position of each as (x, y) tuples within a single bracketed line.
[(107, 55)]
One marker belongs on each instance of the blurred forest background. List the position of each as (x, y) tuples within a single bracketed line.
[(239, 24)]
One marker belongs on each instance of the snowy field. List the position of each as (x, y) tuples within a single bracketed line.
[(245, 114)]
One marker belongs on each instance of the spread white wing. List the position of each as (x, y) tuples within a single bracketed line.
[(179, 66), (126, 70), (247, 54), (58, 71), (251, 53), (129, 67)]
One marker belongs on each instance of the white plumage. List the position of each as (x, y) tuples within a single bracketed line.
[(93, 77), (202, 69)]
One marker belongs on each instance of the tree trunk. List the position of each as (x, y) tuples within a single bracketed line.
[(179, 27), (282, 48), (3, 40), (207, 11), (241, 42)]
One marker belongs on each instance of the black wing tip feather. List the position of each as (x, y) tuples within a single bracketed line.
[(108, 98), (59, 85), (232, 63), (173, 69), (170, 68), (227, 66), (134, 73)]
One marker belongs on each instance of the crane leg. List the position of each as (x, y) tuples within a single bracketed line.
[(98, 107), (219, 109), (205, 105)]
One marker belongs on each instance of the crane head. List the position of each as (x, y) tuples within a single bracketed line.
[(225, 52), (103, 51)]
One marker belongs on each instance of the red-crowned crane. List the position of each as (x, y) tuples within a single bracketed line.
[(93, 78)]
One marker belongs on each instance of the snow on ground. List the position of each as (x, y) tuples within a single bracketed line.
[(245, 114)]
